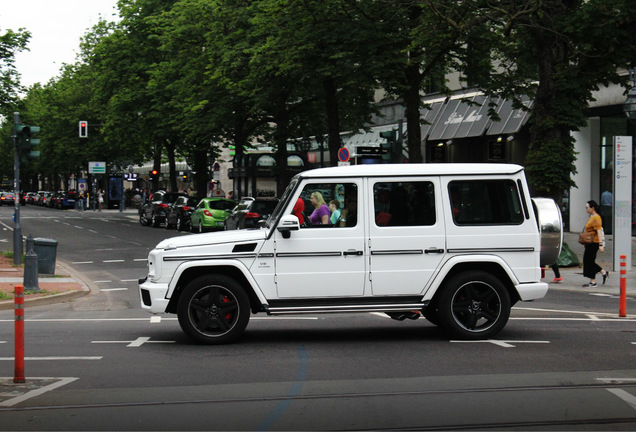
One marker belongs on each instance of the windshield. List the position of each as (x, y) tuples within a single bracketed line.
[(283, 202)]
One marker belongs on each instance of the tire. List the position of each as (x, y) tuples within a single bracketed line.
[(154, 222), (179, 225), (474, 305), (213, 309), (143, 220)]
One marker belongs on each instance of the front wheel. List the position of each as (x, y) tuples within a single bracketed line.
[(214, 309), (474, 305)]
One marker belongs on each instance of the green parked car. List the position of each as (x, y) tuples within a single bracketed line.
[(210, 214)]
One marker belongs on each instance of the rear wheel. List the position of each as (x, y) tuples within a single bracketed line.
[(474, 305), (143, 220), (214, 309), (179, 224)]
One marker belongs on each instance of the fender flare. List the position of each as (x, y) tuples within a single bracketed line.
[(452, 262)]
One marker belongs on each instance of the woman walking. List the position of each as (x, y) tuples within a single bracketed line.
[(594, 225)]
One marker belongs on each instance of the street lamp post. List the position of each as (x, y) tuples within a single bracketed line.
[(629, 107)]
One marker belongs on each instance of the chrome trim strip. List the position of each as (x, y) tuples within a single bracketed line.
[(266, 255), (306, 254), (209, 257), (274, 310), (398, 252), (491, 250)]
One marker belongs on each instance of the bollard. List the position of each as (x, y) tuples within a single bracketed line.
[(622, 308), (18, 376), (30, 280)]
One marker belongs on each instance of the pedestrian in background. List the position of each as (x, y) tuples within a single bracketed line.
[(100, 199), (594, 225)]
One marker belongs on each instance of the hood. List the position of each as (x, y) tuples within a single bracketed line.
[(212, 238)]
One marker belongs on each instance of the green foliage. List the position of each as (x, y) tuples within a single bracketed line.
[(179, 78)]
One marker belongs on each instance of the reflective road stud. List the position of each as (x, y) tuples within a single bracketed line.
[(622, 309), (18, 376)]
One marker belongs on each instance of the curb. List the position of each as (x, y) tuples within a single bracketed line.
[(55, 298)]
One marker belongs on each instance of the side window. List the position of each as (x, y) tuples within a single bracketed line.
[(485, 202), (404, 203), (327, 205)]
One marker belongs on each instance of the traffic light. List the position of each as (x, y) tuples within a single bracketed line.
[(185, 176), (389, 146), (153, 174), (83, 129), (26, 142)]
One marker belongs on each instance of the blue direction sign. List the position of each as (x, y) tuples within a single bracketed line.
[(343, 154)]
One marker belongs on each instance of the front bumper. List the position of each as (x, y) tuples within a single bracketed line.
[(153, 296)]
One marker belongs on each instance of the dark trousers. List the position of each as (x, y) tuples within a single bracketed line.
[(590, 268)]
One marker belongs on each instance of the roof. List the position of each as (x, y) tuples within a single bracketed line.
[(438, 169)]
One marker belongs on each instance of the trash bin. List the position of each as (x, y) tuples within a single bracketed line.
[(46, 250)]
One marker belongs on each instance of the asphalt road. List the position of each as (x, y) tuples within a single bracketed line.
[(564, 362)]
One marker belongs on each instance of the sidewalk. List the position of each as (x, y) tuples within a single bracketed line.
[(573, 276), (65, 285)]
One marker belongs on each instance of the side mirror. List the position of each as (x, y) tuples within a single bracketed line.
[(287, 224)]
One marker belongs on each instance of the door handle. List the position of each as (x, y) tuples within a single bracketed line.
[(433, 251), (352, 252)]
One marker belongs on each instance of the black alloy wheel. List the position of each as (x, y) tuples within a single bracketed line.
[(474, 305), (213, 309)]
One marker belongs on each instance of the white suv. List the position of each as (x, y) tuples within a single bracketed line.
[(456, 243)]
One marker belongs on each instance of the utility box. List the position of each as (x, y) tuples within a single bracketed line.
[(46, 250)]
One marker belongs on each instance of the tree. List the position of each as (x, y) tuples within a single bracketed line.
[(11, 42), (560, 52)]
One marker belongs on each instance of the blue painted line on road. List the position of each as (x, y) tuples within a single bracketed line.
[(294, 390)]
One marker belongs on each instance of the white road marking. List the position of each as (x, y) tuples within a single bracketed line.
[(130, 280), (82, 262), (52, 358), (504, 344), (103, 281), (155, 319), (140, 259), (113, 261), (627, 397), (133, 344), (37, 392), (113, 289)]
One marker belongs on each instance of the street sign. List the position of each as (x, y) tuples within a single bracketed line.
[(343, 154), (97, 167)]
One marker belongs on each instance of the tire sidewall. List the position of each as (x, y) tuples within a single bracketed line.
[(450, 289), (227, 283)]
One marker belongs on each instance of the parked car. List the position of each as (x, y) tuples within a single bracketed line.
[(154, 211), (249, 212), (7, 198), (459, 244), (31, 197), (178, 215), (65, 200), (210, 214), (44, 198)]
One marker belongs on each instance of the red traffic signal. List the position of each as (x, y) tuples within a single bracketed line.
[(154, 172), (83, 129)]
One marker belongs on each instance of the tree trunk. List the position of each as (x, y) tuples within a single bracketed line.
[(333, 119)]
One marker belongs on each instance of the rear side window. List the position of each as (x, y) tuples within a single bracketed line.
[(404, 203), (485, 202)]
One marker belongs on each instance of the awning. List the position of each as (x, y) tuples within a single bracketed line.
[(468, 117), (430, 115), (369, 138), (511, 119), (462, 119)]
